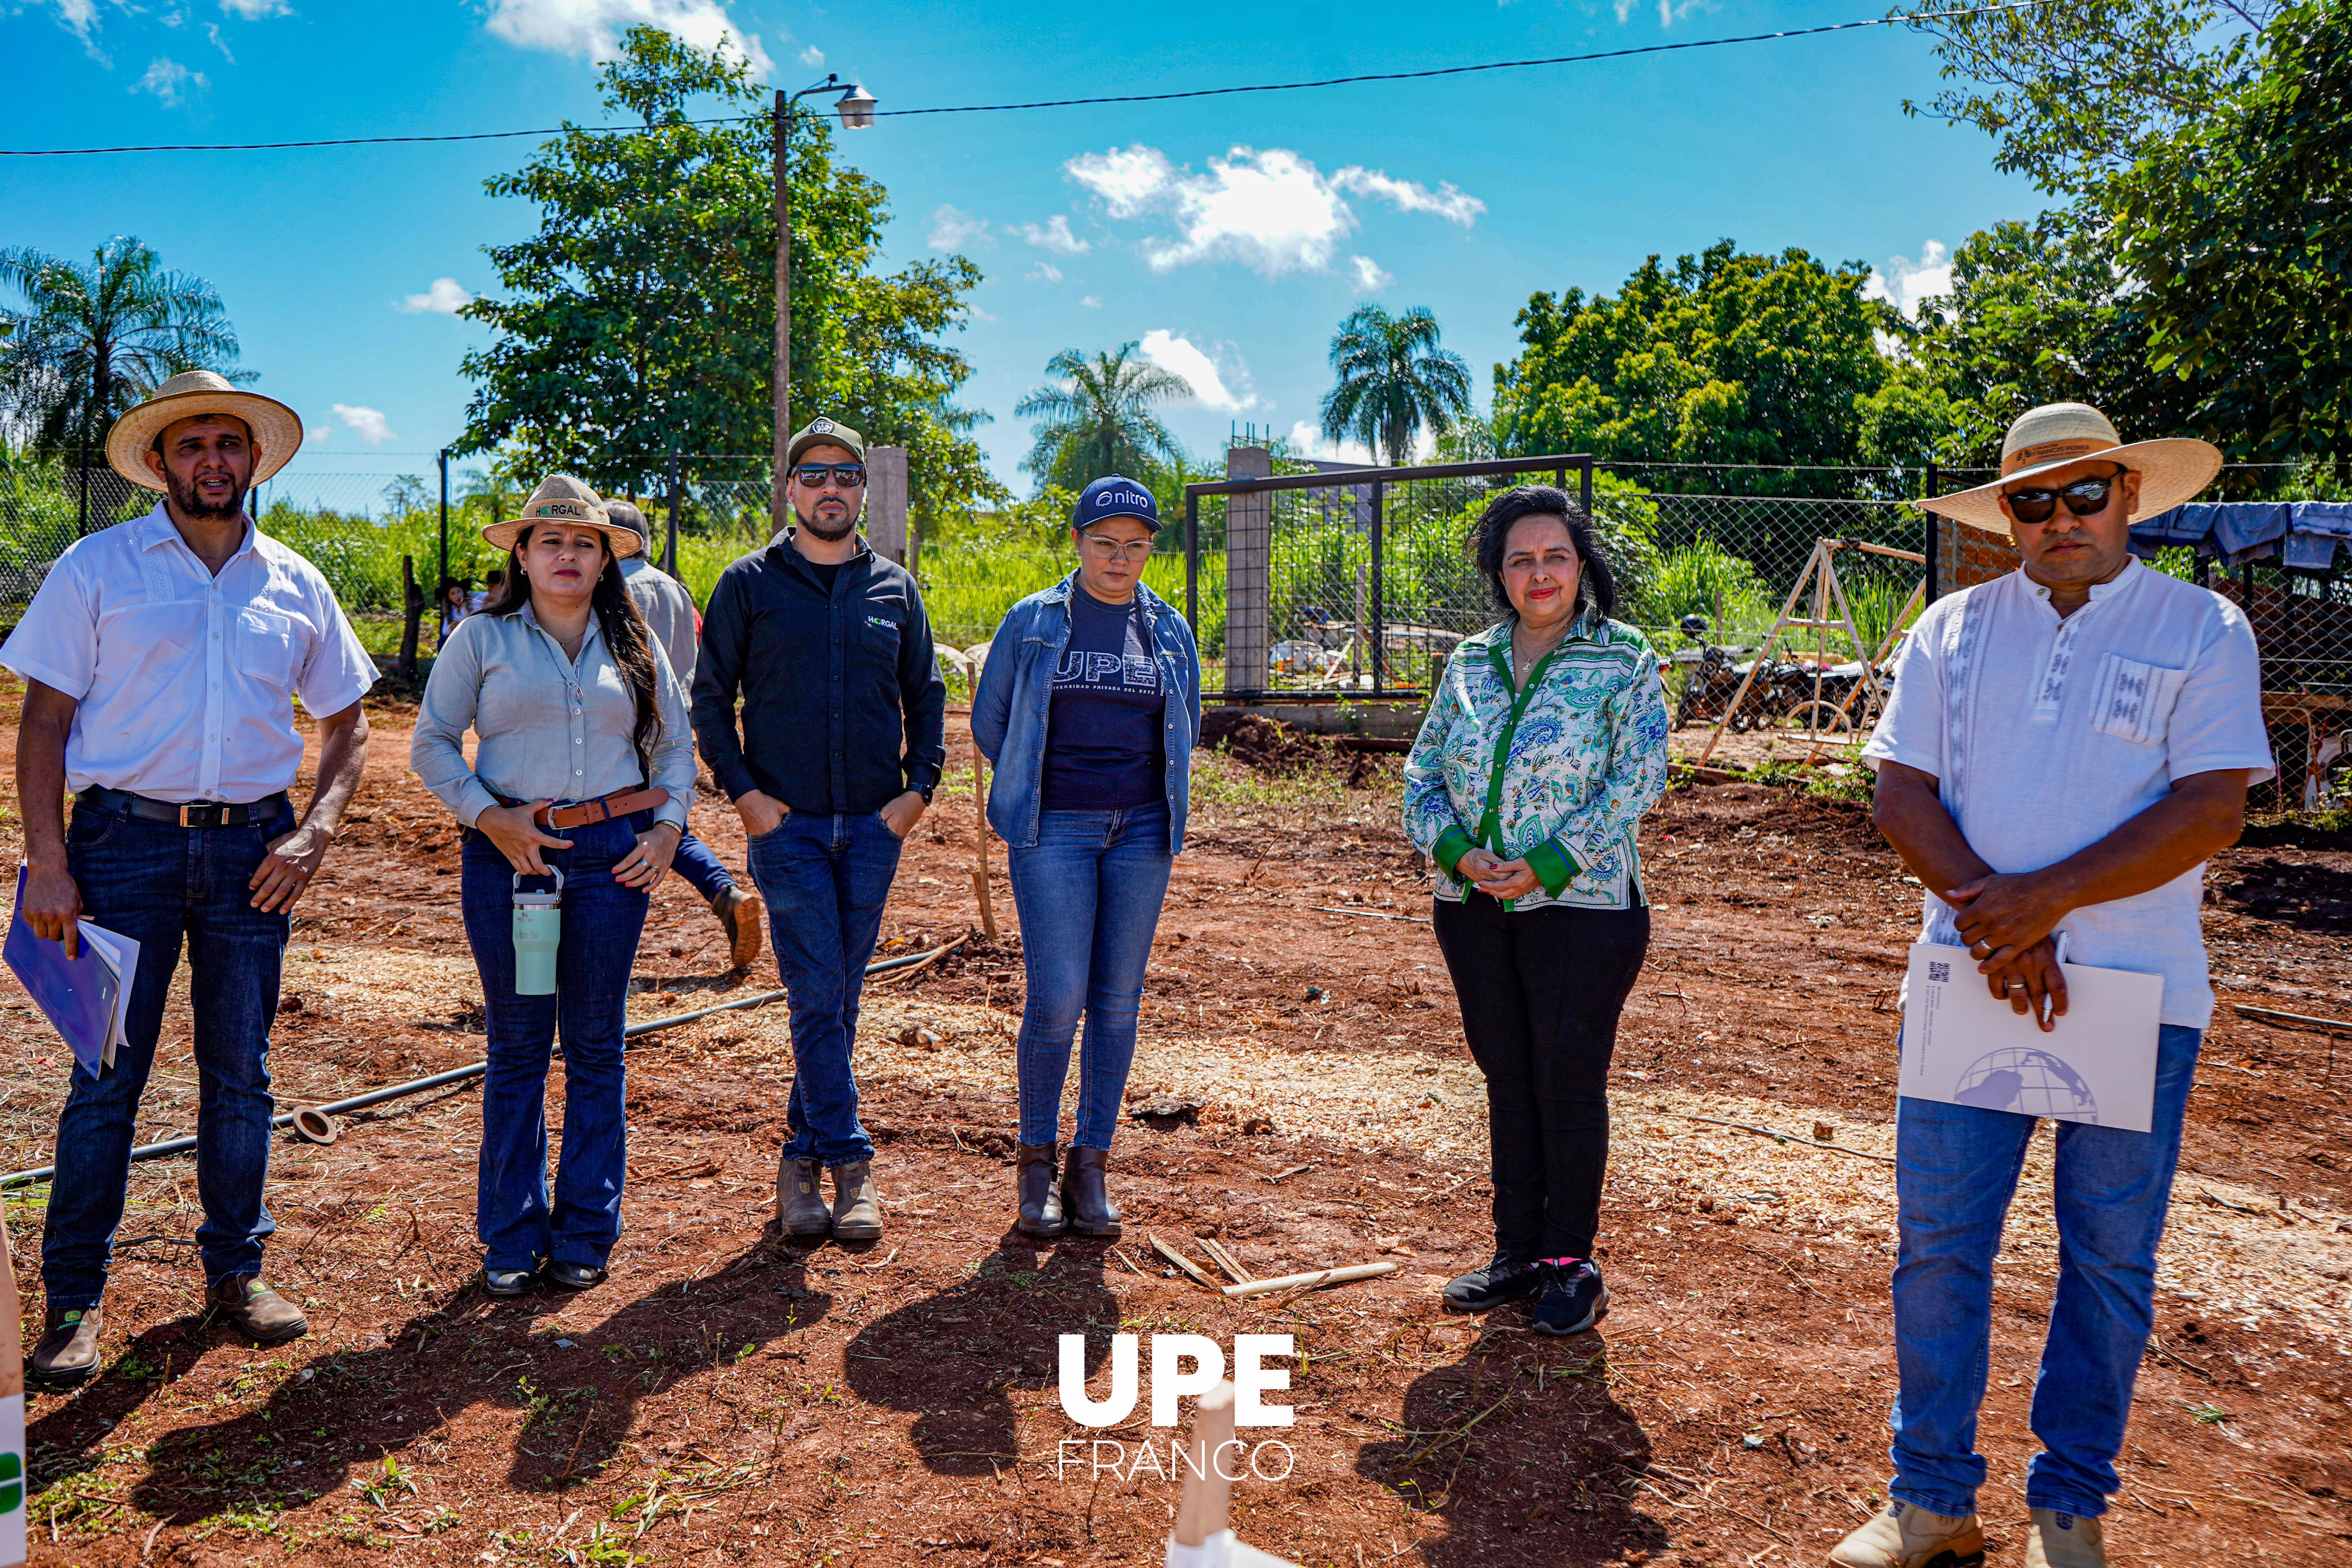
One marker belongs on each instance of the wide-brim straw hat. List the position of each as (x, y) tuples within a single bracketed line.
[(562, 499), (276, 429), (2047, 439)]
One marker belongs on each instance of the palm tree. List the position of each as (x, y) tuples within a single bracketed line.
[(1096, 418), (95, 339), (1392, 380)]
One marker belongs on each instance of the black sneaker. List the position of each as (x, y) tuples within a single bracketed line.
[(1485, 1289), (1572, 1297)]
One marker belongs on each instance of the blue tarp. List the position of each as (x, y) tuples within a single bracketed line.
[(2303, 534)]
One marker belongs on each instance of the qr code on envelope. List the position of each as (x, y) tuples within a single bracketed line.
[(1940, 971)]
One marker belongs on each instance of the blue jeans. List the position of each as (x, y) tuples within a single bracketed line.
[(1090, 892), (825, 879), (596, 949), (699, 868), (1957, 1169), (159, 884)]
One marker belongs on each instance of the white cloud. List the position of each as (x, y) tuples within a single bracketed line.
[(254, 10), (1183, 357), (170, 81), (212, 31), (443, 298), (952, 228), (1306, 440), (1905, 282), (811, 57), (1667, 10), (1447, 202), (1368, 275), (1045, 272), (1054, 235), (318, 432), (1272, 211), (593, 27), (1091, 303), (367, 423)]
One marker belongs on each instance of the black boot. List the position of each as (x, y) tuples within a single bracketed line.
[(1086, 1195), (1041, 1202)]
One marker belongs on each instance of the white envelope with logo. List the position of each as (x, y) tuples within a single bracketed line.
[(1964, 1046)]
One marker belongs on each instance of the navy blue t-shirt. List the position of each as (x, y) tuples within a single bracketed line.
[(1104, 746)]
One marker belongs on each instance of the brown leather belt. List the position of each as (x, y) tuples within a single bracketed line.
[(620, 803)]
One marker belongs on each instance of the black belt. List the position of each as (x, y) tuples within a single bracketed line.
[(193, 813)]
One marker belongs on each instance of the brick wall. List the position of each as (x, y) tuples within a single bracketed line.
[(1966, 557)]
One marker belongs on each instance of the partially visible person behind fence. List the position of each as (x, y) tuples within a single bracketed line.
[(492, 581), (2064, 747), (1542, 748), (670, 615), (160, 659), (830, 764), (583, 774), (1087, 704), (456, 604)]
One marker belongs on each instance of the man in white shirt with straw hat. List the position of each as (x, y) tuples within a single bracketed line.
[(161, 658), (2065, 746)]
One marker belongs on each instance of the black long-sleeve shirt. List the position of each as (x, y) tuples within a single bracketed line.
[(823, 680)]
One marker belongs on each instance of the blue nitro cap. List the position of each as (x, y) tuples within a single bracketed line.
[(1114, 495)]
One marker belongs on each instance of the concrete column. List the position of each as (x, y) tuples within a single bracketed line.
[(885, 501), (1249, 542)]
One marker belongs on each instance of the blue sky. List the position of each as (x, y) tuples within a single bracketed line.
[(1230, 235)]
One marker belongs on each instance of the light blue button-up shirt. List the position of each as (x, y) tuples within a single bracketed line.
[(549, 728)]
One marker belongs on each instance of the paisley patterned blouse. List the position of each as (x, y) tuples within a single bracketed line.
[(1560, 772)]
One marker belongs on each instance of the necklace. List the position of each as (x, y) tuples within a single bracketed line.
[(1525, 659)]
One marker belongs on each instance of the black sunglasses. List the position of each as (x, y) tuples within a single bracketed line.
[(846, 476), (2084, 498)]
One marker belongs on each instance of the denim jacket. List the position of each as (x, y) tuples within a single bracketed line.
[(1015, 698)]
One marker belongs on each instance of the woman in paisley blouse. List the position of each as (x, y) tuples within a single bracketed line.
[(1541, 750)]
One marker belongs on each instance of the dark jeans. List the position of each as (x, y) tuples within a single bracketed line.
[(699, 868), (825, 879), (1090, 892), (602, 921), (160, 884), (1540, 991)]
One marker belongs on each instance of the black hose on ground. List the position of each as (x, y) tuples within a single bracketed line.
[(460, 1075)]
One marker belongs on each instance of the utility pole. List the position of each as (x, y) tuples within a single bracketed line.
[(443, 590), (855, 107)]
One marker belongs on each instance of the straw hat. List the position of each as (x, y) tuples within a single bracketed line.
[(2056, 433), (276, 429), (562, 499)]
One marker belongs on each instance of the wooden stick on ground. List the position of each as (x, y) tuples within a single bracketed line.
[(980, 843), (1309, 1281), (1180, 1261), (1226, 1261)]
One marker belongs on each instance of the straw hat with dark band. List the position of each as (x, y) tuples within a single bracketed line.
[(275, 429), (562, 499), (2047, 439)]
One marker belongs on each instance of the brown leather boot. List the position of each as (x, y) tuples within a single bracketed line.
[(1041, 1204), (800, 1204), (258, 1313), (1086, 1196), (68, 1353), (857, 1206), (739, 912)]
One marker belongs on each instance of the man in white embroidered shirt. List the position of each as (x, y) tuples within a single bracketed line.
[(2064, 747), (161, 658)]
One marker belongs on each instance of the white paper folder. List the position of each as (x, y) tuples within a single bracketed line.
[(1963, 1045)]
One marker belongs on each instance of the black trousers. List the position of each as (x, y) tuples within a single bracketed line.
[(1540, 992)]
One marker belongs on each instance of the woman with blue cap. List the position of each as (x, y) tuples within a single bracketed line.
[(1087, 706)]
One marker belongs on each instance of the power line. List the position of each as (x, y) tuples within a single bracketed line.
[(1057, 103)]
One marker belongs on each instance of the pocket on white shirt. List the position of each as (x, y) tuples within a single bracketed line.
[(2133, 702), (263, 645)]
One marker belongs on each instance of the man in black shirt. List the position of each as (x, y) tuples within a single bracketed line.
[(841, 740)]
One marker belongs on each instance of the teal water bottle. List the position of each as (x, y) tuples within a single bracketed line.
[(537, 929)]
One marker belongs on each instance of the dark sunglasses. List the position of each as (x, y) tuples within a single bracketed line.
[(846, 476), (2084, 498)]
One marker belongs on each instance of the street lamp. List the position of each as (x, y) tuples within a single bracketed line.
[(855, 107)]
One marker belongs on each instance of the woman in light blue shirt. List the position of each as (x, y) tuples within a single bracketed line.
[(582, 776)]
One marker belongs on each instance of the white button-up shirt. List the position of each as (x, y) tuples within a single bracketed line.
[(2045, 735), (185, 679)]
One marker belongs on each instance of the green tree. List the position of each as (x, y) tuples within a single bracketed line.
[(1726, 357), (1096, 416), (640, 318), (2239, 226), (94, 339), (1392, 379)]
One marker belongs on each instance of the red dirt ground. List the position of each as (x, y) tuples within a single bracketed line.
[(728, 1397)]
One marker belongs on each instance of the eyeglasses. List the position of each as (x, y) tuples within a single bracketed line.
[(846, 476), (1113, 550), (2084, 498)]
